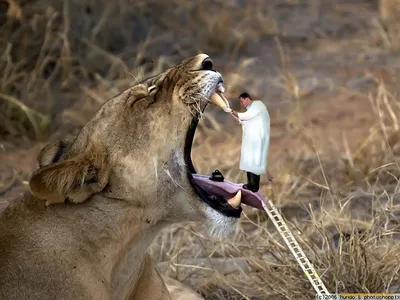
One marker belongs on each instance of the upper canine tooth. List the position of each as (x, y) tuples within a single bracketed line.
[(225, 100), (218, 100), (236, 200)]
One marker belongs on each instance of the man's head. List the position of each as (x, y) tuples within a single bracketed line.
[(245, 99)]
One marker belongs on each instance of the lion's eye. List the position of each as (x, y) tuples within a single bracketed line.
[(207, 64)]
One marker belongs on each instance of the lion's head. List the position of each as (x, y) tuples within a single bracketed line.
[(137, 148)]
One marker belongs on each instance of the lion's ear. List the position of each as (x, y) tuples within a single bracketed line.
[(53, 152), (75, 179), (152, 90), (140, 91)]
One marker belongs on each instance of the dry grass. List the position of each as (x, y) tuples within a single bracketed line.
[(339, 189), (390, 14), (52, 53), (350, 232)]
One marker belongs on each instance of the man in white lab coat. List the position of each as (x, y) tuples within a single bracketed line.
[(255, 139)]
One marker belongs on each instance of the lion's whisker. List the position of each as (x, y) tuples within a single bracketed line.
[(155, 166), (173, 180)]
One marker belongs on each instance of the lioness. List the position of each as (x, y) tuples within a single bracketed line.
[(97, 202)]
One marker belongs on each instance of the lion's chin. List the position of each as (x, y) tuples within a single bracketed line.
[(218, 225)]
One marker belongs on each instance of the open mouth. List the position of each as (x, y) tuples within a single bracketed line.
[(223, 196)]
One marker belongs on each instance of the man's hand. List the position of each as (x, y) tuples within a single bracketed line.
[(234, 113), (237, 119)]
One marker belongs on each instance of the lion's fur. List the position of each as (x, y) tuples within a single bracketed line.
[(97, 201)]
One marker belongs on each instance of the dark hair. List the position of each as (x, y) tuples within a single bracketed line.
[(244, 95)]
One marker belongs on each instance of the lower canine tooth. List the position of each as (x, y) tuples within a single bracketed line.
[(236, 200)]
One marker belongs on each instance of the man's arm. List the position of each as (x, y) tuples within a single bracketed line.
[(234, 113), (237, 119), (250, 114)]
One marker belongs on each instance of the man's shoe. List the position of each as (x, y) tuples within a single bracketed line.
[(256, 181), (252, 182), (249, 182), (251, 188), (246, 186)]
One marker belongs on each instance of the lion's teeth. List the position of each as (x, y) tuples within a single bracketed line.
[(218, 100), (235, 200)]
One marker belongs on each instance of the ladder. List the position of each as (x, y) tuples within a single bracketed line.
[(293, 246)]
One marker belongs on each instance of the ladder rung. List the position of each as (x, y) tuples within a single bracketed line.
[(303, 260), (295, 248), (315, 278), (297, 251)]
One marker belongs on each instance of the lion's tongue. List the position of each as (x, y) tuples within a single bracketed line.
[(229, 189)]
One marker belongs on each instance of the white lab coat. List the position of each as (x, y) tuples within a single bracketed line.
[(255, 138)]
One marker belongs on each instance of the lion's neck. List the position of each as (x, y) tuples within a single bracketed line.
[(131, 262), (119, 239)]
